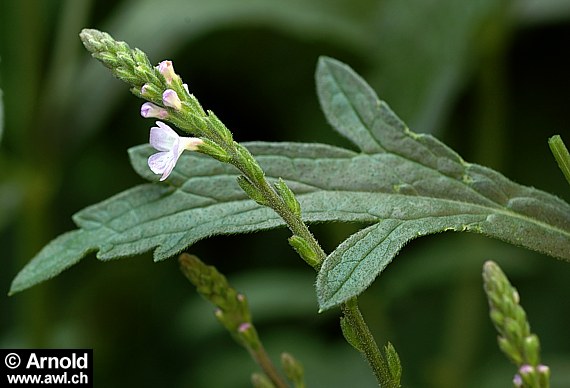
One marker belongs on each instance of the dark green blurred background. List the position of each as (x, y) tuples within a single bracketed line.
[(488, 77)]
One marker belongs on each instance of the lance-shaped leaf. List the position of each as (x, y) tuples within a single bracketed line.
[(403, 185), (432, 190)]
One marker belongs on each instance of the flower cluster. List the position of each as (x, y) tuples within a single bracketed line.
[(167, 99), (162, 137)]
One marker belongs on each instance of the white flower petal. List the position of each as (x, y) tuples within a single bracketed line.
[(163, 138), (168, 170), (161, 162)]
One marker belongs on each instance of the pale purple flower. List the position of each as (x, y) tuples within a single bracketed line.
[(164, 139), (517, 381), (171, 99), (148, 109), (167, 70)]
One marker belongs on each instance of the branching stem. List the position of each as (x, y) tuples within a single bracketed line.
[(368, 345), (262, 359)]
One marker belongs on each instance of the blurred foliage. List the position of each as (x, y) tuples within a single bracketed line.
[(489, 78)]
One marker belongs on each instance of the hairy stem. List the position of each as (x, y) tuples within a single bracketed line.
[(294, 222), (368, 345), (366, 342)]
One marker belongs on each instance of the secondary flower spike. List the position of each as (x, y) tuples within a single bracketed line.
[(164, 139)]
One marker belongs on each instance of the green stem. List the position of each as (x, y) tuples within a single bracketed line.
[(294, 222), (262, 359), (367, 343), (561, 155), (350, 309)]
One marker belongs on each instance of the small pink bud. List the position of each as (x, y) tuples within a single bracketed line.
[(517, 381), (171, 99), (244, 327), (167, 70), (526, 369), (148, 109)]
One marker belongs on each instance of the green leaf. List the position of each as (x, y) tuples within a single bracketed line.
[(403, 185), (426, 188), (60, 254)]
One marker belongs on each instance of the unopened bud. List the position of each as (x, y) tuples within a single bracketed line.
[(543, 375), (304, 250), (247, 333), (532, 349), (261, 381), (526, 369), (167, 70), (148, 109), (171, 99), (293, 368), (517, 381), (288, 197)]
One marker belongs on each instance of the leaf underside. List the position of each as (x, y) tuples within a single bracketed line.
[(403, 185)]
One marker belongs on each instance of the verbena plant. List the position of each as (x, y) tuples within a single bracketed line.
[(402, 185)]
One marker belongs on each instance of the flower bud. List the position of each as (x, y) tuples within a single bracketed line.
[(543, 375), (247, 333), (252, 191), (171, 99), (288, 197), (531, 346), (148, 109), (304, 250), (146, 90), (261, 381), (517, 381), (293, 368), (167, 70)]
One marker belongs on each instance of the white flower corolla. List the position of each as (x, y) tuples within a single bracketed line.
[(170, 146), (170, 98)]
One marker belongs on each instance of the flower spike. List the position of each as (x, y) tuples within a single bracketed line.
[(170, 147)]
